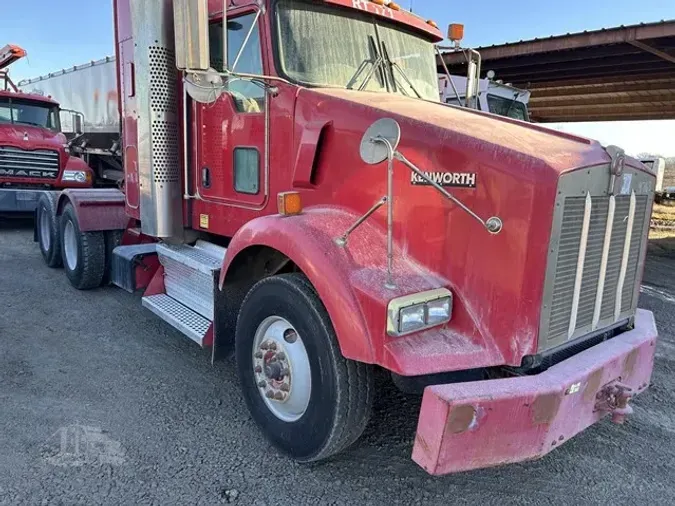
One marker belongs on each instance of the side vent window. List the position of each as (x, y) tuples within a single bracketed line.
[(247, 170)]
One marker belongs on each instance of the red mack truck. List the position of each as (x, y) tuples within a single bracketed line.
[(296, 194), (37, 152)]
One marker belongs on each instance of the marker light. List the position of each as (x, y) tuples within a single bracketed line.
[(289, 203)]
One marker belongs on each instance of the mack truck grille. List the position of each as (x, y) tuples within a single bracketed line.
[(594, 261), (39, 163)]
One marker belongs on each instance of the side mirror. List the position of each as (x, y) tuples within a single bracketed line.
[(78, 127), (191, 29)]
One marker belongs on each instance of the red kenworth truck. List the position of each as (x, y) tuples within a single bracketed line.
[(295, 193)]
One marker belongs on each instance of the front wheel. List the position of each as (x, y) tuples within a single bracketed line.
[(83, 253), (306, 397)]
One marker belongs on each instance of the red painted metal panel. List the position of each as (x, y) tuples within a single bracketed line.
[(156, 285), (473, 425), (96, 209)]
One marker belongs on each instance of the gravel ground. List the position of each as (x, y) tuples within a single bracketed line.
[(103, 403)]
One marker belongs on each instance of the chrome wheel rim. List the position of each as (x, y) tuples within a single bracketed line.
[(45, 231), (281, 369), (70, 245)]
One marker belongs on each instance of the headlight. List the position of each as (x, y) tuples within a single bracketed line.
[(77, 176), (419, 311), (411, 318), (438, 311)]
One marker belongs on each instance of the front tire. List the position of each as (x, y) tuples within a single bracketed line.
[(47, 227), (308, 400), (83, 253)]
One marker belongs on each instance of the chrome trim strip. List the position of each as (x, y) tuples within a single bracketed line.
[(580, 264), (603, 262), (624, 258)]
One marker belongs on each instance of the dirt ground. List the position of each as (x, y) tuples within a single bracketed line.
[(102, 403)]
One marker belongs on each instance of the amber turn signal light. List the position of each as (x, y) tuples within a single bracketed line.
[(456, 32), (289, 203)]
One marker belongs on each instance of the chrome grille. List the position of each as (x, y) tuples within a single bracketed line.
[(29, 163), (586, 279)]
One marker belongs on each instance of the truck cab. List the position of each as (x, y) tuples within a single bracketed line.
[(34, 152)]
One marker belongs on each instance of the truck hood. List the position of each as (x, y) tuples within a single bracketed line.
[(30, 137), (446, 122), (495, 165)]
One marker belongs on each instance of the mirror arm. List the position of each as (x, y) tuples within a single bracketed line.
[(224, 35)]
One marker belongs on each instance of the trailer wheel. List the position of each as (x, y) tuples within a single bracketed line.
[(309, 400), (47, 228), (83, 252)]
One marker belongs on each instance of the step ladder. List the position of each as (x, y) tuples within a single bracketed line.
[(191, 275)]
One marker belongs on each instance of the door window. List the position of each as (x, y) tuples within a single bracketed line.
[(248, 97)]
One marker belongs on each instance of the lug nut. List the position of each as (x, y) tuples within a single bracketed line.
[(258, 369), (273, 346), (264, 346), (269, 394), (285, 387), (279, 396), (258, 354), (281, 356), (262, 383)]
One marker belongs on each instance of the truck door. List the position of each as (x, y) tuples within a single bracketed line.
[(230, 165)]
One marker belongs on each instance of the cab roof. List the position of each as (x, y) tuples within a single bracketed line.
[(27, 96)]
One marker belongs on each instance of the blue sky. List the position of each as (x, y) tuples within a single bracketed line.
[(60, 34)]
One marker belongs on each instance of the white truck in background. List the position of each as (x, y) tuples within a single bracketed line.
[(493, 96), (665, 182)]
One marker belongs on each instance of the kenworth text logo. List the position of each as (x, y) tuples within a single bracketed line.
[(456, 179)]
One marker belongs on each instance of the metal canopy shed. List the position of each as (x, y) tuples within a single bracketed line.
[(622, 73)]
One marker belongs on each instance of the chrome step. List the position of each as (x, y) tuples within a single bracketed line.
[(191, 274), (190, 323)]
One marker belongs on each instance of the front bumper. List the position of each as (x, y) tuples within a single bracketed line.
[(18, 201), (465, 426)]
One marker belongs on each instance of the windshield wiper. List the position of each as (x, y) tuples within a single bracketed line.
[(376, 61), (395, 66), (512, 103)]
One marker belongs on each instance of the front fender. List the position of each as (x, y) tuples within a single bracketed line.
[(349, 280)]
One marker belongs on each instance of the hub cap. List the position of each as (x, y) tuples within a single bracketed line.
[(70, 245), (45, 231), (281, 369)]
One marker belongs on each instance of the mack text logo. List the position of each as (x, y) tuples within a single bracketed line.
[(455, 179), (28, 173)]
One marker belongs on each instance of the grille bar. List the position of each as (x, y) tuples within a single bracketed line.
[(603, 262), (581, 260)]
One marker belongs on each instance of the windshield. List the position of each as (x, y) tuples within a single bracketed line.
[(507, 107), (320, 45), (24, 112)]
